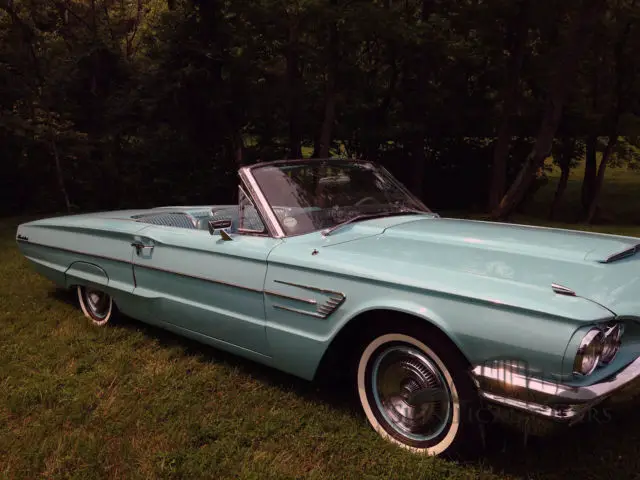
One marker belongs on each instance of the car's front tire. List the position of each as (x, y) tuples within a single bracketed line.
[(96, 305), (415, 391)]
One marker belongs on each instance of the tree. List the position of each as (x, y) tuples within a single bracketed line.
[(564, 67), (625, 73), (516, 45)]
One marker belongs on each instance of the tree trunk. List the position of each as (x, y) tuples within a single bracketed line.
[(28, 37), (238, 148), (590, 171), (59, 172), (566, 68), (516, 43), (565, 166), (624, 78), (324, 143), (293, 81), (562, 187), (606, 155), (380, 116), (376, 122), (416, 108)]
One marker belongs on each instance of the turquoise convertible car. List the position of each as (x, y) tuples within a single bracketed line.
[(332, 266)]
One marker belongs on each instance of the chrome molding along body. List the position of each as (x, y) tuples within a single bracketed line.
[(510, 386), (149, 267), (323, 309), (255, 194)]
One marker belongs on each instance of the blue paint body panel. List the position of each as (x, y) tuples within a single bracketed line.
[(283, 301)]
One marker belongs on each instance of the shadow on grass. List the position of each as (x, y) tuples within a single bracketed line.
[(339, 398), (606, 445)]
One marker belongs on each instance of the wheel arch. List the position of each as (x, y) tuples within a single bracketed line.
[(81, 273), (347, 341)]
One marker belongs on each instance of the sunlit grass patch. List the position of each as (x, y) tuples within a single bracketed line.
[(132, 401)]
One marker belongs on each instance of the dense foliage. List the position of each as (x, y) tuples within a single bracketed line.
[(119, 103)]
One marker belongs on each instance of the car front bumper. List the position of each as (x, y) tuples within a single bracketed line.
[(507, 385)]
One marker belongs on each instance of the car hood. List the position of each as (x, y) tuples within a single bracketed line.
[(602, 268)]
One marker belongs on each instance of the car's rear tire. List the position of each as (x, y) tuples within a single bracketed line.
[(96, 305), (396, 363)]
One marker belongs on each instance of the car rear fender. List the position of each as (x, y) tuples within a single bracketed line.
[(85, 273)]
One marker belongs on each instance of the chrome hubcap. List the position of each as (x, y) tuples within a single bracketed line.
[(98, 302), (411, 393)]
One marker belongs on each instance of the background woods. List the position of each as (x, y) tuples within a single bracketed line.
[(119, 103)]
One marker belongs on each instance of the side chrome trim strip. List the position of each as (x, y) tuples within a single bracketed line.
[(137, 265), (197, 277), (307, 287), (78, 252), (300, 311), (309, 301)]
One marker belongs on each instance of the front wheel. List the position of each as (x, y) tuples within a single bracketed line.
[(96, 305), (415, 393)]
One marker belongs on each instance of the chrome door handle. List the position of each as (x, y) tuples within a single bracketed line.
[(140, 246)]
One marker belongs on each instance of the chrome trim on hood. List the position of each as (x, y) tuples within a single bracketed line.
[(623, 254), (562, 290)]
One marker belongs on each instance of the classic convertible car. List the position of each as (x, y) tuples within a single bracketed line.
[(333, 266)]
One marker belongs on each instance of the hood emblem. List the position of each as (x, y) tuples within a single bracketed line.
[(562, 290)]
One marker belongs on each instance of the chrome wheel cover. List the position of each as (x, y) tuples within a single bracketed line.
[(411, 393), (98, 303)]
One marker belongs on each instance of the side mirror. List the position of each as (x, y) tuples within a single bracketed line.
[(220, 225)]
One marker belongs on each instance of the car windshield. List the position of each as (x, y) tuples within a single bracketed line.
[(316, 195)]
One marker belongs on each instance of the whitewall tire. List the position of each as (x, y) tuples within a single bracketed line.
[(96, 305), (416, 393)]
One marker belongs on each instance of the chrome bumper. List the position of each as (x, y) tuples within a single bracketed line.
[(506, 385)]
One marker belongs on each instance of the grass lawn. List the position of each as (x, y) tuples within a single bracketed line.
[(131, 401), (620, 201)]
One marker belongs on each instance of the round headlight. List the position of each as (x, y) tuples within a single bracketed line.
[(611, 343), (589, 352)]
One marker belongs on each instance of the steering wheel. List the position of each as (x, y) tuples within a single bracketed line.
[(365, 199)]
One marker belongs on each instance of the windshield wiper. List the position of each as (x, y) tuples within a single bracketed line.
[(368, 216)]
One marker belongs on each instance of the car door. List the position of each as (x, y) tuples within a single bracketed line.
[(203, 283)]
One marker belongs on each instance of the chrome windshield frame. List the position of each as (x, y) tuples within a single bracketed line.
[(256, 194)]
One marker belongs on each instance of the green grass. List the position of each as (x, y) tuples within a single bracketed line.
[(131, 401), (620, 202)]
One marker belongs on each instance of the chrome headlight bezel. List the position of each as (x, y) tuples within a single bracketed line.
[(611, 343), (598, 348), (590, 349)]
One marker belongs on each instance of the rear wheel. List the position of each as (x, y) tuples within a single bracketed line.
[(415, 391), (96, 305)]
